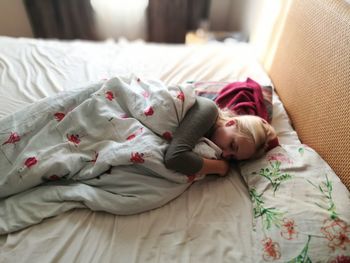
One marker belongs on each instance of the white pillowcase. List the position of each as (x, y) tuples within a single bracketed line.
[(282, 124)]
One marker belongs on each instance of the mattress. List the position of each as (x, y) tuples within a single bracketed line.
[(204, 224)]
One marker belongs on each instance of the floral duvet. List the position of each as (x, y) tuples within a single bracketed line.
[(99, 147)]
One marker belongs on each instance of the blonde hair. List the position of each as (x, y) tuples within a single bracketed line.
[(254, 128)]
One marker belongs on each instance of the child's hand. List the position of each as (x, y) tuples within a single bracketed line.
[(220, 167), (225, 167)]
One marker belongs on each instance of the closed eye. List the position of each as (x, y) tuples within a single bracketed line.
[(234, 146)]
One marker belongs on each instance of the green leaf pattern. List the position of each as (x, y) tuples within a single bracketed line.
[(301, 150), (274, 175), (326, 188), (303, 256), (270, 216)]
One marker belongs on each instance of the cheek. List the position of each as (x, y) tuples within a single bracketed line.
[(219, 138), (225, 142), (247, 150)]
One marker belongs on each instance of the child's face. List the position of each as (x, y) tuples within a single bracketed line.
[(232, 145)]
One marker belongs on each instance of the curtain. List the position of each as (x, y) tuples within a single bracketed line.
[(62, 19), (169, 21)]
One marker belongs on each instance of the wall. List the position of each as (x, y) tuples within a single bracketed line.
[(13, 19), (267, 28)]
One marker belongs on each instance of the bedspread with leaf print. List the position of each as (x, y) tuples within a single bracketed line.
[(301, 209), (99, 147)]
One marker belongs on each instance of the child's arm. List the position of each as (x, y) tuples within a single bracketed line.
[(197, 122)]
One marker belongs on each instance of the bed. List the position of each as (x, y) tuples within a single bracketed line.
[(288, 206)]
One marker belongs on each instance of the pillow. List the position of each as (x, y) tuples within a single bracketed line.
[(211, 90), (301, 210), (282, 123)]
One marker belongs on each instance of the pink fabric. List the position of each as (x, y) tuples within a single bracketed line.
[(243, 98), (272, 144)]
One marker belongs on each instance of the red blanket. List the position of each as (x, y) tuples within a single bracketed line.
[(243, 98)]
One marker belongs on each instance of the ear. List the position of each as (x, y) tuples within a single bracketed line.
[(230, 123)]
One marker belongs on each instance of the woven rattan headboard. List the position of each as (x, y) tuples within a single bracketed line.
[(311, 74)]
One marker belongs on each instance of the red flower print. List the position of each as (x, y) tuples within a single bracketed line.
[(133, 135), (13, 138), (54, 177), (181, 96), (95, 158), (145, 94), (137, 158), (230, 123), (109, 95), (190, 178), (288, 229), (279, 157), (341, 259), (167, 136), (337, 232), (149, 111), (124, 116), (130, 137), (59, 116), (74, 138), (30, 162), (271, 250)]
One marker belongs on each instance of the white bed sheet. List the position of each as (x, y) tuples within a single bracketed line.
[(211, 222)]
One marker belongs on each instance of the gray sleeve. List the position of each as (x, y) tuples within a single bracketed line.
[(197, 122)]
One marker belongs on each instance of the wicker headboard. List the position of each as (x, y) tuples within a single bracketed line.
[(311, 74)]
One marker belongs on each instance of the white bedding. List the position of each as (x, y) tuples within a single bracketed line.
[(210, 222)]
